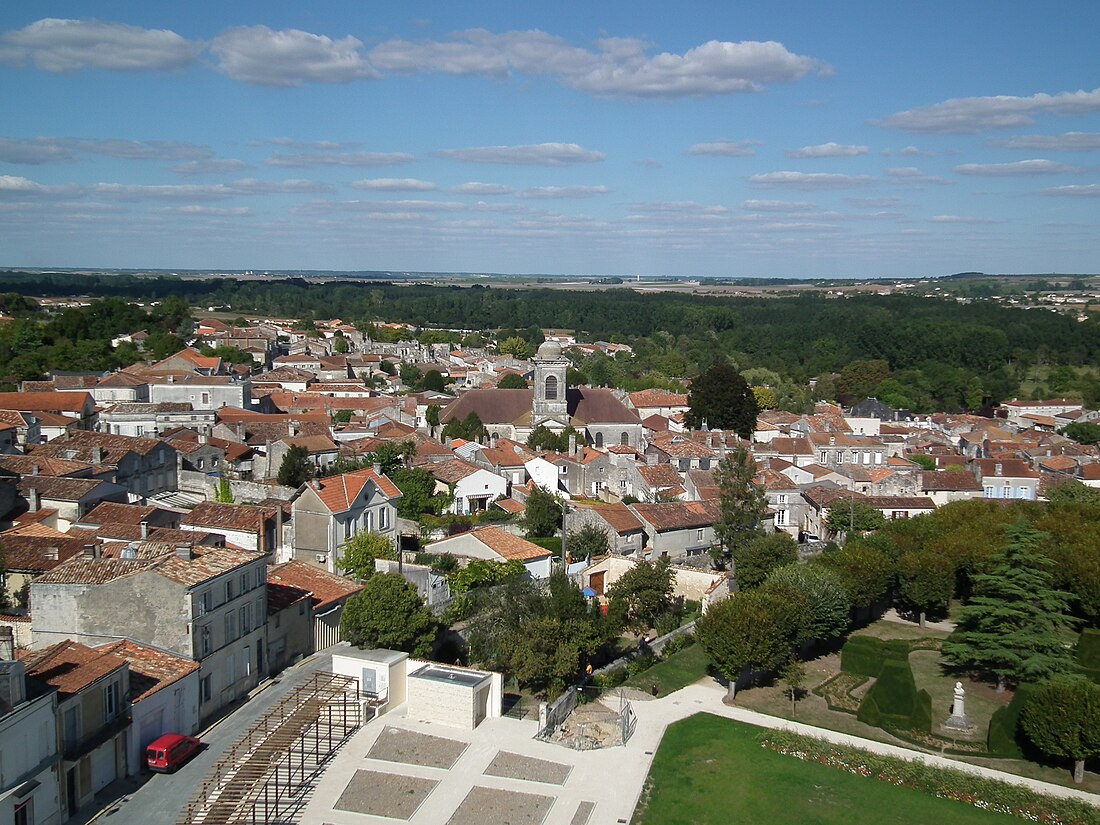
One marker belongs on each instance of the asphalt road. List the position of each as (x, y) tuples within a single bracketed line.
[(162, 797)]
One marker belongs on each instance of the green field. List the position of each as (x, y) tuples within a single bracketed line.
[(712, 770), (679, 670)]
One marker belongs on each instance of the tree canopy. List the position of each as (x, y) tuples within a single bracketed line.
[(723, 399), (359, 552), (388, 613), (296, 467), (641, 595), (543, 514), (742, 501), (1062, 719), (756, 558)]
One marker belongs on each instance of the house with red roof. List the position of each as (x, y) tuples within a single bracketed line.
[(496, 544), (329, 511)]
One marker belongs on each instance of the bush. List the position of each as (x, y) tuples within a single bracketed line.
[(1004, 736), (611, 679), (677, 643), (643, 661), (894, 701), (666, 623), (1088, 654), (865, 655)]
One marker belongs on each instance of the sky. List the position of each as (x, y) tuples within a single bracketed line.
[(795, 139)]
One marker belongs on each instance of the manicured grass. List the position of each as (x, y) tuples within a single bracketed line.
[(678, 670), (709, 769)]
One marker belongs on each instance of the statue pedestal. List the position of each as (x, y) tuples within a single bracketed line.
[(958, 719), (960, 723)]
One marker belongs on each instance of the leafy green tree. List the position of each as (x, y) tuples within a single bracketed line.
[(1083, 432), (723, 399), (431, 380), (410, 374), (741, 634), (359, 553), (387, 367), (926, 582), (514, 346), (542, 438), (641, 595), (1062, 719), (341, 417), (588, 542), (484, 573), (1072, 491), (512, 381), (755, 559), (296, 468), (431, 416), (860, 378), (925, 462), (1011, 626), (418, 494), (469, 428), (864, 571), (741, 500), (853, 515), (793, 675), (340, 344), (542, 515), (388, 613), (826, 603), (224, 493)]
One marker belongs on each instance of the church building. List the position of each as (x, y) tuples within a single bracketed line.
[(601, 418)]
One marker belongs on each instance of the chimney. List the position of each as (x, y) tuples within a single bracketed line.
[(171, 379), (184, 551), (998, 469), (377, 469), (572, 444), (202, 438), (97, 455), (50, 553), (240, 432), (34, 504), (144, 529), (34, 469), (13, 682), (832, 441), (278, 531), (91, 551), (292, 428)]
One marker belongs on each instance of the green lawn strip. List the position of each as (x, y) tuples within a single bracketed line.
[(713, 770), (678, 670)]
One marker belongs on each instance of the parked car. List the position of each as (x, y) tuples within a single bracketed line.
[(168, 753)]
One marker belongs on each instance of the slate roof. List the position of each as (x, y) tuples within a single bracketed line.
[(585, 405), (949, 481)]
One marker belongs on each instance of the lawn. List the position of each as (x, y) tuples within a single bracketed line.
[(679, 670), (711, 770)]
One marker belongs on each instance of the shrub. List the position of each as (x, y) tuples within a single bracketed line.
[(666, 623), (894, 701), (677, 643), (1088, 653), (1004, 727), (865, 655)]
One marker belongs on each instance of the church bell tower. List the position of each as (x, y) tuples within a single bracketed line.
[(550, 385)]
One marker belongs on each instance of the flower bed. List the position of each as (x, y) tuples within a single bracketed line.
[(837, 691), (945, 783)]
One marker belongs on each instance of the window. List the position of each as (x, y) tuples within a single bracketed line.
[(199, 463), (230, 626), (246, 619), (244, 582), (781, 498), (989, 492), (1023, 492), (823, 456), (259, 576), (780, 518), (110, 701), (204, 689), (230, 670), (383, 518), (698, 535), (622, 484), (599, 440), (24, 812), (204, 602), (246, 661), (204, 635), (347, 529), (564, 469), (72, 726), (551, 387), (1006, 492), (206, 398), (896, 514), (368, 520), (229, 590), (624, 440)]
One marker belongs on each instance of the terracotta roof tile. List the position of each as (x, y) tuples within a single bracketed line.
[(324, 588), (70, 666), (213, 515), (508, 546), (677, 515), (150, 668)]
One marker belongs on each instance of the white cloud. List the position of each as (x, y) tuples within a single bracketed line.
[(968, 115), (291, 57), (212, 166), (914, 152), (292, 186), (618, 66), (726, 148), (205, 211), (476, 188), (394, 185), (539, 154), (67, 45), (14, 183), (673, 208), (335, 158), (966, 219), (810, 180), (913, 176), (39, 150), (827, 150), (1068, 142), (1020, 167), (563, 192), (777, 206), (1088, 190), (874, 203)]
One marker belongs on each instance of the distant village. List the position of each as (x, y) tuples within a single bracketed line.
[(157, 572)]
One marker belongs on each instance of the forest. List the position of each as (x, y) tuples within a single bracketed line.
[(914, 352)]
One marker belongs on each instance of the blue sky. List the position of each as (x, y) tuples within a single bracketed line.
[(855, 139)]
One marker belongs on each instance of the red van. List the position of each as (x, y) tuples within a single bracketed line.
[(170, 751)]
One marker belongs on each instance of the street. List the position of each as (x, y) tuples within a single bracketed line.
[(162, 797)]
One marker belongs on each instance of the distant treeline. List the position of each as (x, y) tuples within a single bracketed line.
[(986, 346)]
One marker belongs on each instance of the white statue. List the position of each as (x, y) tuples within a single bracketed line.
[(958, 720)]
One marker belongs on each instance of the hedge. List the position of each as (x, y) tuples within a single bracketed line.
[(865, 655), (946, 783), (1003, 739), (1088, 654), (894, 701)]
